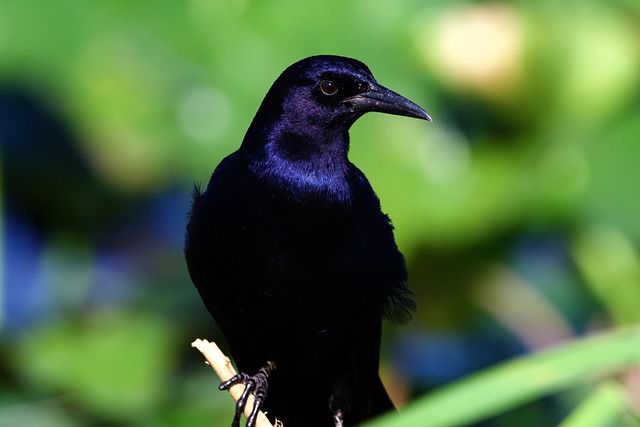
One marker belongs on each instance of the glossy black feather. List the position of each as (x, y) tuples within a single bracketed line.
[(291, 253)]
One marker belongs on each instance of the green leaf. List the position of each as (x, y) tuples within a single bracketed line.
[(516, 382), (602, 408)]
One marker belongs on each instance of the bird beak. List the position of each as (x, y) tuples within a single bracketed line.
[(383, 100)]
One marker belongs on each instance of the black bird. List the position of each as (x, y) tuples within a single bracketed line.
[(292, 255)]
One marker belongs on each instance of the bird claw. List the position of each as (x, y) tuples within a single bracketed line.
[(258, 384)]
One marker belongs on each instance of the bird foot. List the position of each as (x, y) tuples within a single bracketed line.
[(258, 384)]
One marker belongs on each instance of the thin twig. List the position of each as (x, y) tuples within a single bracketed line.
[(222, 366)]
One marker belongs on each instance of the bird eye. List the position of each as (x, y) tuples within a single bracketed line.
[(328, 87)]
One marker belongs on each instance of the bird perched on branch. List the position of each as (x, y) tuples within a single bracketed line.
[(292, 255)]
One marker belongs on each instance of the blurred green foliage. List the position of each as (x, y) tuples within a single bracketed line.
[(502, 387), (516, 210)]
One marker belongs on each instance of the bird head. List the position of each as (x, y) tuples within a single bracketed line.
[(338, 89), (327, 94)]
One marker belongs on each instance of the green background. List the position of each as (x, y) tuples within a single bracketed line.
[(517, 209)]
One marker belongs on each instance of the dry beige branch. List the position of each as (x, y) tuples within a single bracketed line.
[(222, 366)]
